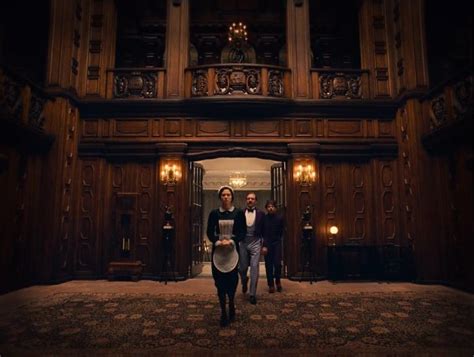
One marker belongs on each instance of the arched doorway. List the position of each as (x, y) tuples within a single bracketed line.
[(263, 176)]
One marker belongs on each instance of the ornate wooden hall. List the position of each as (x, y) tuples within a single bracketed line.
[(108, 106)]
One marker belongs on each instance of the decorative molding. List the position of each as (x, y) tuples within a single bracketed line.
[(339, 84), (95, 46), (140, 84), (74, 66), (93, 72), (230, 107), (237, 80), (200, 84)]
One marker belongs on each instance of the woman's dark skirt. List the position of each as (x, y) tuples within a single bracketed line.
[(226, 283)]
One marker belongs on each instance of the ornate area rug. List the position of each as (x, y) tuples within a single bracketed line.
[(126, 324)]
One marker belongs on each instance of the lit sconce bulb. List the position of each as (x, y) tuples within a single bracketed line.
[(333, 230), (230, 28), (245, 26), (240, 24), (233, 24), (230, 39)]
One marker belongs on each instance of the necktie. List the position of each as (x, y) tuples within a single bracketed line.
[(250, 210)]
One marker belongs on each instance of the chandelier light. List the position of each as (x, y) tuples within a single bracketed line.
[(237, 180), (237, 32)]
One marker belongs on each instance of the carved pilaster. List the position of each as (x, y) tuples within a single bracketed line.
[(298, 45), (373, 42), (177, 47)]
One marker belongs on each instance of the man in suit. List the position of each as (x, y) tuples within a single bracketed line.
[(250, 247)]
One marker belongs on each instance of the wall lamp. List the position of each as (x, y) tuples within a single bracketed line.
[(170, 174), (305, 174), (333, 230)]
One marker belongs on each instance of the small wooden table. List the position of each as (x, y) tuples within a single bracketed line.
[(125, 269)]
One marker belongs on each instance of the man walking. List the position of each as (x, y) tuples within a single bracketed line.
[(272, 231), (250, 247)]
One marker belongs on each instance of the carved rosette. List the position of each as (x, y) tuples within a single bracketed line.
[(438, 111), (222, 81), (338, 84), (275, 83), (235, 80), (135, 84), (199, 86)]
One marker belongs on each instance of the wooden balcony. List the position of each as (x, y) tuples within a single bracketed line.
[(340, 84), (22, 113), (237, 80), (447, 110), (136, 83)]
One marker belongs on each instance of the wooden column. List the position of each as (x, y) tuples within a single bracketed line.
[(60, 67), (98, 52), (175, 197), (407, 45), (298, 46), (301, 196), (373, 47), (177, 47)]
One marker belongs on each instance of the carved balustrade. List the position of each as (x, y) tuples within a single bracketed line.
[(340, 84), (135, 83), (449, 101), (447, 113), (21, 101), (238, 80)]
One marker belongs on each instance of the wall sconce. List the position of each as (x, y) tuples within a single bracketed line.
[(170, 174), (333, 230), (305, 174)]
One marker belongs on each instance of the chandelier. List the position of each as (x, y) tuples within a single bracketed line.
[(237, 180), (237, 32)]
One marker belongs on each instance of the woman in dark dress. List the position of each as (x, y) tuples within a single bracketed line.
[(225, 228)]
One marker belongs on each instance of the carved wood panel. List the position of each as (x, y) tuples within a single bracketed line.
[(330, 176), (345, 128), (66, 229), (301, 129), (407, 177), (386, 198), (89, 215), (131, 128), (145, 189), (357, 214)]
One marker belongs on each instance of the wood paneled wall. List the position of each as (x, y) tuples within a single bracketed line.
[(375, 180)]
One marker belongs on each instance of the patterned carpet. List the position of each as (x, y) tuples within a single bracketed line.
[(405, 323)]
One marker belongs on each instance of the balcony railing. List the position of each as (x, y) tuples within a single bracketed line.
[(340, 83), (135, 83), (21, 100), (447, 112), (238, 80), (449, 101)]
